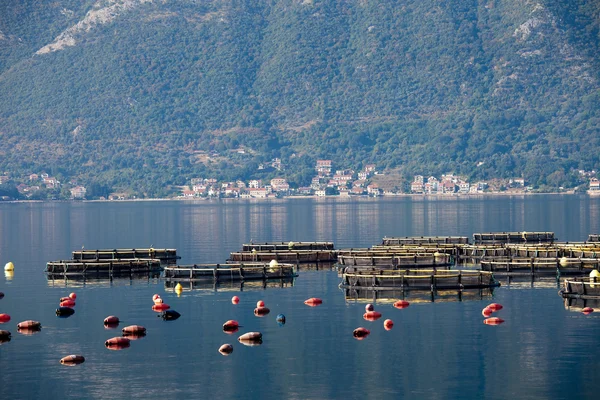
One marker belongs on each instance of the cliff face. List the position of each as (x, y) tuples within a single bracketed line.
[(116, 90)]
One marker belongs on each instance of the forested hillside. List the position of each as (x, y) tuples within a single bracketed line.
[(149, 93)]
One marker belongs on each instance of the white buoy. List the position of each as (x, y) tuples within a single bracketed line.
[(564, 262), (9, 266)]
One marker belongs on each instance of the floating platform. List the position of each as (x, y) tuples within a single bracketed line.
[(103, 267), (418, 279), (513, 237), (286, 256), (581, 288), (282, 246), (117, 254), (540, 266), (393, 262), (420, 240), (241, 272)]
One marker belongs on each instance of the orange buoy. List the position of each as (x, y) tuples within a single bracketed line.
[(261, 311), (160, 307), (72, 296), (493, 321), (313, 301), (134, 330), (369, 307), (361, 333), (260, 304), (495, 307), (72, 360), (372, 315), (111, 320), (251, 336), (388, 324), (486, 312), (401, 304), (235, 299), (230, 325), (251, 339), (29, 324), (587, 310), (67, 303), (226, 349), (4, 318)]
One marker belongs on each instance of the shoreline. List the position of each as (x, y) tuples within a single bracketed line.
[(417, 196)]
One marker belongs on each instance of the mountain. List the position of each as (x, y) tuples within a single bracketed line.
[(144, 94)]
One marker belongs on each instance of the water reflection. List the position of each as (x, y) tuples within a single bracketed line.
[(417, 296), (229, 286), (80, 281)]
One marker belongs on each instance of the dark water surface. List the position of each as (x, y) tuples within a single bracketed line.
[(436, 350)]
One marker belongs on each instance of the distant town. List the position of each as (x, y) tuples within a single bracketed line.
[(326, 182)]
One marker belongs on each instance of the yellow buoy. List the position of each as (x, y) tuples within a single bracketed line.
[(273, 265), (9, 275), (564, 262), (291, 245), (9, 266), (594, 275), (179, 288)]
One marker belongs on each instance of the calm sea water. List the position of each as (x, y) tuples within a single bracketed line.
[(436, 350)]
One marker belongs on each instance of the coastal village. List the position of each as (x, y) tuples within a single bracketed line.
[(327, 181)]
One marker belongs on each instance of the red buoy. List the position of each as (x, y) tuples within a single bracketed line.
[(495, 307), (361, 333), (226, 349), (111, 320), (235, 300), (388, 324), (260, 304), (160, 307), (72, 296), (486, 312), (313, 301), (134, 330), (493, 321), (64, 299), (67, 303), (156, 296), (587, 310), (117, 343), (29, 324), (230, 331), (230, 325), (372, 315), (72, 360), (158, 301), (401, 304), (261, 311), (369, 307), (4, 318)]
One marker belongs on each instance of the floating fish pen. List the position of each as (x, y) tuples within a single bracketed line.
[(286, 256), (103, 267), (408, 249), (593, 238), (513, 237), (117, 254), (397, 261), (271, 246), (541, 266), (420, 240), (389, 296), (249, 271), (581, 288), (229, 285), (579, 250), (417, 279), (519, 250), (528, 281), (471, 254)]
